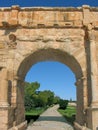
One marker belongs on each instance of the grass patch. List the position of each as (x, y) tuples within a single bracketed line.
[(69, 113), (33, 114), (35, 111)]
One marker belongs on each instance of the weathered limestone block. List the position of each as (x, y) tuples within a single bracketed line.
[(3, 118), (30, 35), (2, 46), (13, 18)]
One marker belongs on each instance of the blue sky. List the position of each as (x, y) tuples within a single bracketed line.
[(53, 3), (54, 76)]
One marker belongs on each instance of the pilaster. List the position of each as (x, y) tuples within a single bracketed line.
[(94, 68), (82, 102), (4, 88), (92, 110)]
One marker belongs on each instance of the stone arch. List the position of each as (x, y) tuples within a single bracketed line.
[(72, 41), (52, 54)]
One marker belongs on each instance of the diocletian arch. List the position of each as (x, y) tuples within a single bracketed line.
[(31, 35)]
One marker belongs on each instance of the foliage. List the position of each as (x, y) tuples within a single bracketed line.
[(56, 100), (69, 113), (30, 95), (29, 103), (30, 88), (37, 101), (63, 104), (46, 97), (35, 98)]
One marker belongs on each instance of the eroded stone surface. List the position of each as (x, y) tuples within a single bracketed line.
[(31, 35)]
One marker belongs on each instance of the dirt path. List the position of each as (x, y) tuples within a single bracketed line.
[(50, 120)]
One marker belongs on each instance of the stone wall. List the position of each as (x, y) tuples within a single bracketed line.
[(31, 35)]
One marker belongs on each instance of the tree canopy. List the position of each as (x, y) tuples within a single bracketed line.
[(36, 99)]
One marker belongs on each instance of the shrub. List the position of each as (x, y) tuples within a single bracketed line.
[(63, 104), (29, 103)]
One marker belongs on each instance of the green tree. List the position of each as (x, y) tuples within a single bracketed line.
[(56, 100), (30, 88), (30, 95), (29, 103), (46, 97)]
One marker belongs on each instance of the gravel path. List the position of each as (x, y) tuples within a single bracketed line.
[(50, 120)]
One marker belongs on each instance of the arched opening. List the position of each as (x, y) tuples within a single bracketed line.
[(53, 83), (54, 76), (51, 55)]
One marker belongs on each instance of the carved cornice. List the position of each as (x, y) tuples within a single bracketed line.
[(36, 17), (40, 17)]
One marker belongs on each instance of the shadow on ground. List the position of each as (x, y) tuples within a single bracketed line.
[(51, 118)]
